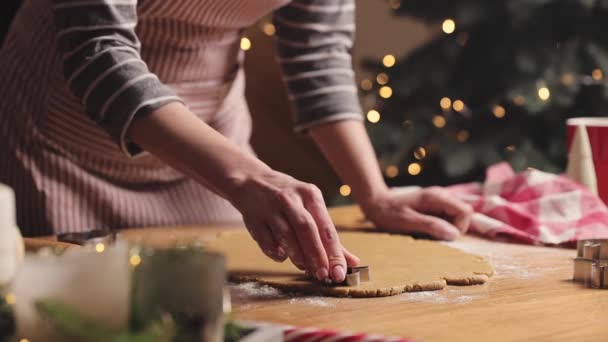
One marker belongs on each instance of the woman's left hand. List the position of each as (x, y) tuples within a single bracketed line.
[(431, 211)]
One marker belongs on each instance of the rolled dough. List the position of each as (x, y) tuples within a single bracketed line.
[(397, 263)]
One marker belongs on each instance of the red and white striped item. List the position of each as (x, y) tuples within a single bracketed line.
[(316, 335), (277, 332), (533, 207)]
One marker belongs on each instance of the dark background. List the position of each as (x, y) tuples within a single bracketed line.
[(7, 11)]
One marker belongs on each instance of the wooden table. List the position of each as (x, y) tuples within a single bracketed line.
[(531, 297)]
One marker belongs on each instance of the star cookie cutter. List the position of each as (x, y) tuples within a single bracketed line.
[(591, 263)]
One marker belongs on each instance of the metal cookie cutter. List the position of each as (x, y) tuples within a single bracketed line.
[(591, 264), (356, 275)]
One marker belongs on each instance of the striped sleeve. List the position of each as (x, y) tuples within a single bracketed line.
[(314, 39), (103, 67)]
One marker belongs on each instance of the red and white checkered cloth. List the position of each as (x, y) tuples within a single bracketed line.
[(533, 207)]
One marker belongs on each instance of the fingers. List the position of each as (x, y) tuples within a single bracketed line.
[(314, 203), (438, 200), (288, 241), (434, 226), (264, 238), (351, 259), (300, 229), (307, 234)]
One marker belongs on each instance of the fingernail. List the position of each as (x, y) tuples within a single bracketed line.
[(281, 253), (451, 232), (322, 273), (338, 273), (283, 244)]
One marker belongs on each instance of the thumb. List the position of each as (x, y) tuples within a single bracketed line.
[(351, 259), (434, 226)]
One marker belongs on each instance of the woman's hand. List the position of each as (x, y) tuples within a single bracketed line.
[(429, 211), (288, 218)]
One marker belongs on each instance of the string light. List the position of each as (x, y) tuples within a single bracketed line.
[(389, 61), (544, 93), (499, 111), (10, 298), (135, 260), (366, 84), (445, 103), (395, 4), (269, 29), (100, 247), (392, 171), (345, 190), (407, 124), (382, 78), (519, 100), (439, 121), (414, 169), (385, 92), (458, 105), (568, 79), (597, 74), (510, 148), (448, 26), (373, 116), (462, 136), (245, 44), (420, 153)]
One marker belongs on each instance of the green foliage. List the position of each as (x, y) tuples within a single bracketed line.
[(234, 332), (75, 327), (194, 303), (7, 318), (501, 54)]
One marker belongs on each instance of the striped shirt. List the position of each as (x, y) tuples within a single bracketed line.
[(115, 59), (104, 69)]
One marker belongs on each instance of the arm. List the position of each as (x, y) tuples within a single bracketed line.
[(347, 147), (287, 218), (314, 38), (102, 65), (103, 68)]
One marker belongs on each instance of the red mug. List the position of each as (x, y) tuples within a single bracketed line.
[(597, 129)]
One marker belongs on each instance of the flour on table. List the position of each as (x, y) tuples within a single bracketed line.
[(498, 256), (312, 301), (446, 296), (254, 290)]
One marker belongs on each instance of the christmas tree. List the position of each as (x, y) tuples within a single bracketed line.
[(8, 8), (497, 83)]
